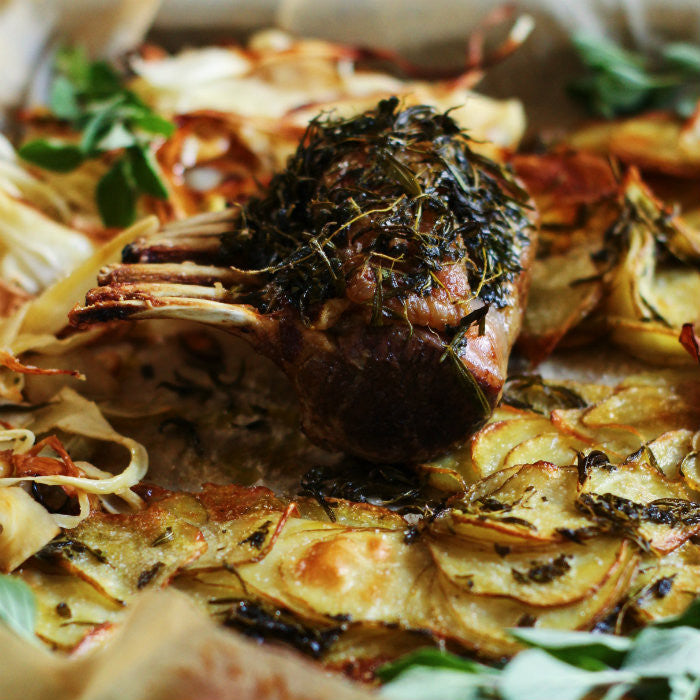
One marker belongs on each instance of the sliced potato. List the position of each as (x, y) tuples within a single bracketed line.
[(350, 513), (639, 502), (556, 575), (368, 575), (670, 450), (558, 300), (68, 608), (533, 506), (648, 410), (123, 554), (666, 586), (616, 440), (656, 141), (551, 446), (491, 444), (483, 622)]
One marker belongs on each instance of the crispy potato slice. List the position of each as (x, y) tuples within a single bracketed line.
[(617, 441), (666, 586), (491, 444), (350, 513), (123, 554), (670, 450), (534, 505), (550, 446), (649, 410), (68, 608), (483, 622), (636, 500), (558, 300), (656, 141), (238, 523), (557, 575), (368, 575)]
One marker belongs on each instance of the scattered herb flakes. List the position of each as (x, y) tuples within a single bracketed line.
[(619, 515), (166, 536), (257, 538), (543, 572), (531, 392), (146, 576), (279, 625)]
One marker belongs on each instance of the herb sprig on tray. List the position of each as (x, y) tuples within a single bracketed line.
[(661, 662), (90, 97), (620, 82)]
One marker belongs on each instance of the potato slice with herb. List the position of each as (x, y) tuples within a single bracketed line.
[(637, 501), (666, 586), (483, 622), (123, 554), (535, 505), (557, 575), (68, 608)]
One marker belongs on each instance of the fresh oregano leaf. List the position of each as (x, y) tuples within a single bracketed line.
[(154, 124), (420, 683), (116, 196), (664, 653), (145, 172), (17, 606), (52, 155), (536, 674), (586, 650)]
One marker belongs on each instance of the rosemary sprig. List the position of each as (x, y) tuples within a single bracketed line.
[(396, 192), (90, 98)]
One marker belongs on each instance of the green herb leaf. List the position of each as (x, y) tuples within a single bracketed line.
[(52, 155), (589, 651), (145, 172), (90, 96), (536, 674), (17, 606), (663, 653), (62, 100), (116, 196), (154, 124), (622, 82), (428, 684), (430, 658)]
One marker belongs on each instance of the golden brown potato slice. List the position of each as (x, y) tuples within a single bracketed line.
[(484, 622), (556, 575), (658, 141), (491, 445), (670, 450), (526, 506), (123, 554), (68, 608), (616, 440), (637, 501), (366, 574), (550, 446), (666, 586), (649, 410)]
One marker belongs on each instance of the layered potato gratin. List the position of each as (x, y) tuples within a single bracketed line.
[(438, 495)]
